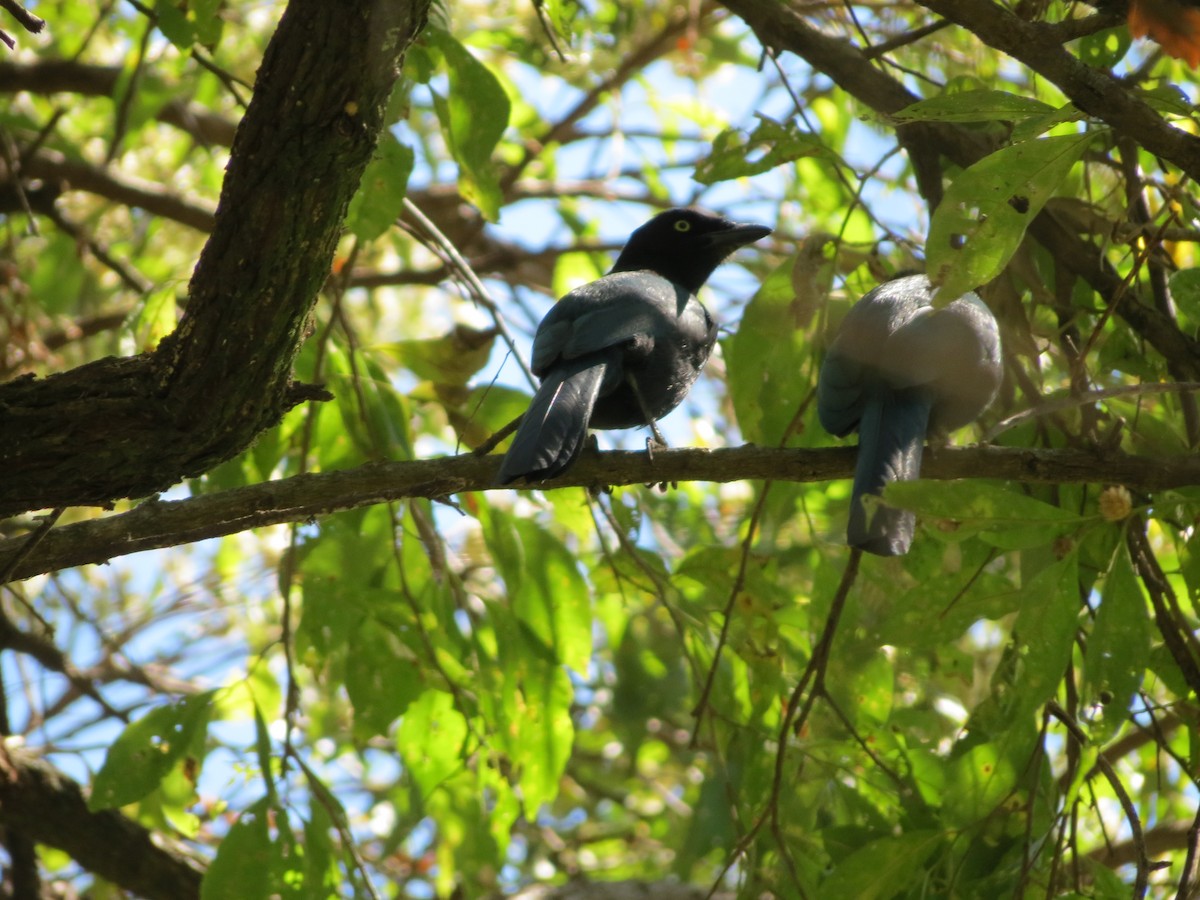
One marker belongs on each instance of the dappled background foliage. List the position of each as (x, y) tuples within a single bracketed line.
[(497, 688)]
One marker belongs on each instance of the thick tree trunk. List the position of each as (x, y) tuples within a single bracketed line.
[(129, 427)]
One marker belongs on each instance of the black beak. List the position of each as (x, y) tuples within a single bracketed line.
[(737, 235)]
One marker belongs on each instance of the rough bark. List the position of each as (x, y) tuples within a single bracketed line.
[(129, 427)]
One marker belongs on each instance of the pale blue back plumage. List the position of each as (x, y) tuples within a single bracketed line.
[(898, 369)]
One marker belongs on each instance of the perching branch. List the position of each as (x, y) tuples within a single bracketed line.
[(170, 523)]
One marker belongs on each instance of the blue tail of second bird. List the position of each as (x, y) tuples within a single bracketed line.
[(891, 436), (555, 426)]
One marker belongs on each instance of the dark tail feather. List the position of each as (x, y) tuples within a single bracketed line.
[(555, 425), (891, 436)]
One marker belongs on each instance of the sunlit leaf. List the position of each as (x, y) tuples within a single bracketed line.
[(1045, 632), (380, 197), (764, 358), (155, 319), (976, 784), (873, 871), (148, 749), (473, 115), (736, 154), (1104, 49), (242, 866), (451, 359), (382, 677), (430, 739), (187, 23), (1118, 648), (548, 595), (974, 106), (977, 503), (987, 208)]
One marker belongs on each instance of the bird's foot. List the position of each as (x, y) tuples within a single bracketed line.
[(652, 443), (655, 443)]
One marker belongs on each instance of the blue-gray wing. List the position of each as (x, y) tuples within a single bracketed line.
[(618, 308)]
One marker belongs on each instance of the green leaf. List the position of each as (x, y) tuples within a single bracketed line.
[(875, 870), (380, 196), (561, 15), (1106, 48), (473, 118), (736, 154), (505, 804), (981, 220), (321, 876), (244, 861), (974, 106), (430, 739), (174, 24), (976, 783), (448, 360), (763, 359), (373, 413), (382, 677), (980, 505), (262, 746), (148, 749), (1118, 649), (154, 319), (865, 693), (711, 826), (1045, 633), (540, 731), (651, 681), (1185, 291), (188, 22), (548, 595)]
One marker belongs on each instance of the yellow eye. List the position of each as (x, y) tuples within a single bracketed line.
[(683, 225)]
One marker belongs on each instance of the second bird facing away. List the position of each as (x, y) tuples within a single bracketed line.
[(624, 350), (897, 370)]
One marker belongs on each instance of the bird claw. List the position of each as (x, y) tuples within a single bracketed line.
[(653, 443)]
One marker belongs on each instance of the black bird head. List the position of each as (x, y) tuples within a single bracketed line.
[(685, 246)]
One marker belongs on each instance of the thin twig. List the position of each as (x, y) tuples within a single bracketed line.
[(662, 586), (31, 541), (813, 681), (1142, 880), (24, 17), (337, 815), (494, 441), (1188, 878), (874, 51), (727, 614), (548, 29), (444, 247), (231, 81), (1063, 403), (1177, 637), (125, 102)]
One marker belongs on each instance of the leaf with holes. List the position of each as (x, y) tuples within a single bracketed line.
[(981, 220), (148, 749)]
